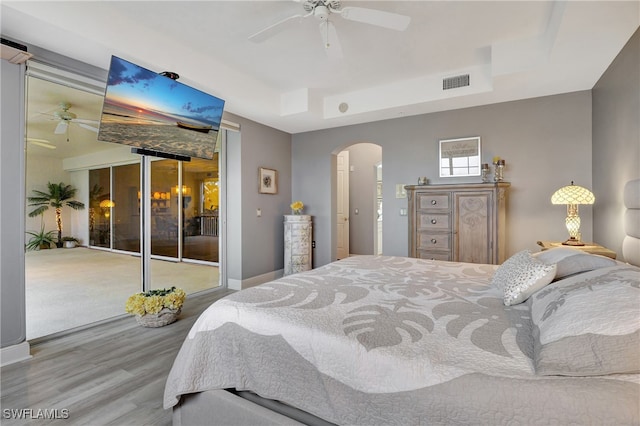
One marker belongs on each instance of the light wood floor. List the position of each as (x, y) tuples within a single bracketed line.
[(110, 374)]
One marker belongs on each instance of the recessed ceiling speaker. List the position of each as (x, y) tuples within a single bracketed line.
[(343, 107)]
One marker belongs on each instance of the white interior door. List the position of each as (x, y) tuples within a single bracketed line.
[(342, 219)]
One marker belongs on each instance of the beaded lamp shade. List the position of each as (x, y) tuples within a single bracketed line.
[(573, 195)]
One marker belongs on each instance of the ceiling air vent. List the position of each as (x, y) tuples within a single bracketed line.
[(455, 82)]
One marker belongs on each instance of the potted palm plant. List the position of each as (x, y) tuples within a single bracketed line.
[(40, 240), (57, 196)]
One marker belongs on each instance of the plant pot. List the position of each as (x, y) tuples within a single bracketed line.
[(70, 244), (165, 317)]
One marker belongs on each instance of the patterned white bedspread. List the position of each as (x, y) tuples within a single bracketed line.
[(336, 340)]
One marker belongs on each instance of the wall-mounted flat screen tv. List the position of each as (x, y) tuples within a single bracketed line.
[(147, 110)]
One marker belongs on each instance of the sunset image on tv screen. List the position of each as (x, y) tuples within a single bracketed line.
[(147, 110)]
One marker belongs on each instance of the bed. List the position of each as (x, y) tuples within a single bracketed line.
[(551, 337)]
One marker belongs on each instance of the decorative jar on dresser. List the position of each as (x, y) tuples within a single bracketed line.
[(458, 222), (297, 243)]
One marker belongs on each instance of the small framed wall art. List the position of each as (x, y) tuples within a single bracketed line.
[(268, 181)]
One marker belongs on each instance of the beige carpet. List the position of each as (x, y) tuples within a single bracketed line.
[(68, 288)]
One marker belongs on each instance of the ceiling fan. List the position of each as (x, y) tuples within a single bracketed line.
[(323, 10), (64, 117)]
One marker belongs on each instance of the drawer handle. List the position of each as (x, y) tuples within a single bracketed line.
[(434, 202), (433, 221), (433, 241)]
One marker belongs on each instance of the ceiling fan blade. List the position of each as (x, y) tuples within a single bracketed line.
[(330, 39), (380, 18), (274, 29), (61, 127), (42, 143), (85, 121), (86, 126)]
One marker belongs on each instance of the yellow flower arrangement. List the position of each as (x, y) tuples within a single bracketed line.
[(153, 301), (297, 207)]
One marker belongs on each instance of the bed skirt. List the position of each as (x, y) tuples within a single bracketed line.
[(231, 408)]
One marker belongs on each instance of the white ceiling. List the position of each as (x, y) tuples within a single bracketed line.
[(511, 49)]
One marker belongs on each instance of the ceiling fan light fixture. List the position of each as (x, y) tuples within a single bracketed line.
[(321, 12), (65, 115)]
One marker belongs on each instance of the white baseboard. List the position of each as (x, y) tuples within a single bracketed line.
[(233, 284), (15, 353)]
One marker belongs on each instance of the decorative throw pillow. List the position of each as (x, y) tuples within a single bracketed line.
[(522, 275), (572, 261), (588, 325)]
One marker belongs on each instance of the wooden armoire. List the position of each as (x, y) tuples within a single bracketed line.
[(458, 222)]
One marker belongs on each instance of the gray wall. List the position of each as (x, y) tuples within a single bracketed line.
[(12, 210), (616, 142), (546, 143), (258, 241), (363, 158)]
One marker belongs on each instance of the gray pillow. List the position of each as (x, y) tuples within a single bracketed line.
[(572, 261)]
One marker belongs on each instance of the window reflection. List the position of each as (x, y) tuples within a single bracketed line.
[(114, 218), (99, 216), (201, 213)]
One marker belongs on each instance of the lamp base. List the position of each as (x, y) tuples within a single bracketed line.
[(573, 242)]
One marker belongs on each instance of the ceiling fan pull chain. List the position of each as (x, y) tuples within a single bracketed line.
[(326, 35)]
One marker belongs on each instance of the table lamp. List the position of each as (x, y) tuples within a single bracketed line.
[(573, 195)]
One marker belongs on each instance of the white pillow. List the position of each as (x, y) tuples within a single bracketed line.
[(522, 275), (589, 325), (572, 261)]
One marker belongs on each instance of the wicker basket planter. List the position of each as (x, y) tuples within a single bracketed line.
[(156, 308), (165, 317)]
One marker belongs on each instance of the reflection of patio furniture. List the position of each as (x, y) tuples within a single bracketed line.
[(192, 226), (165, 226), (209, 225)]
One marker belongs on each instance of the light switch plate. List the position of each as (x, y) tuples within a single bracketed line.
[(400, 191)]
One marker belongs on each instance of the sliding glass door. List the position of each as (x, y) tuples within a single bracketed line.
[(184, 220), (164, 209), (114, 207), (100, 208), (126, 208), (201, 206)]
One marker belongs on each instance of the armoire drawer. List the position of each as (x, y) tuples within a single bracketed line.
[(433, 221), (429, 241), (432, 201), (434, 255)]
